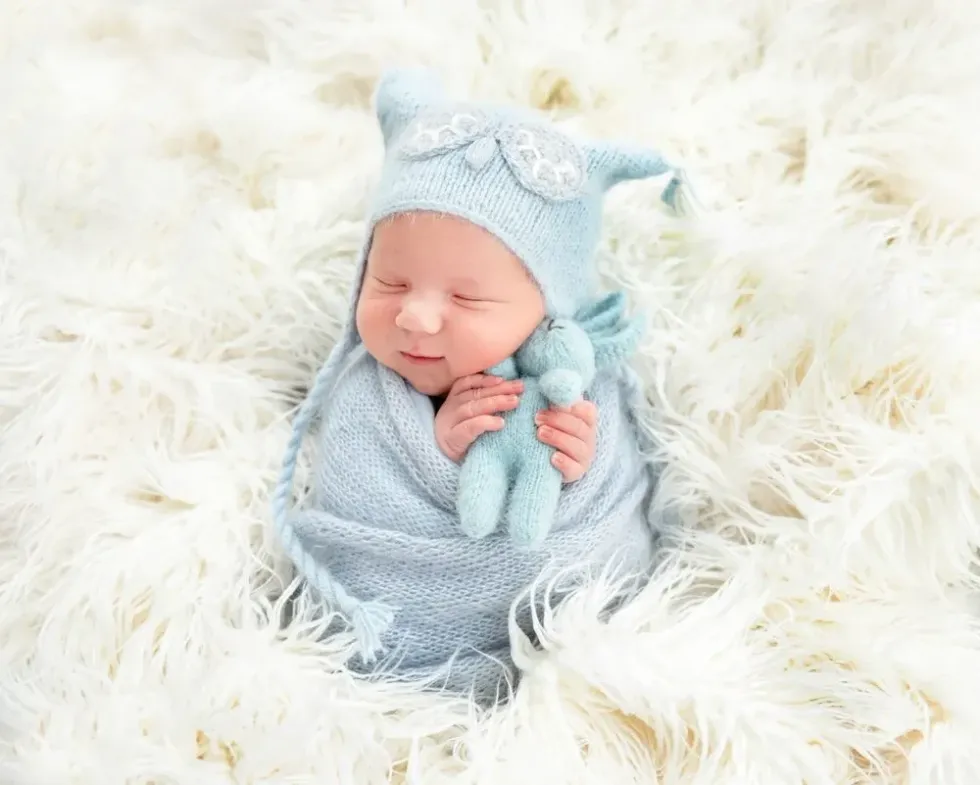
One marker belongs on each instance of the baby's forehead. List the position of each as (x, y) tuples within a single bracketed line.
[(444, 244)]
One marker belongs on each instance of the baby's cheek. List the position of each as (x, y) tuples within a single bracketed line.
[(374, 321), (484, 344)]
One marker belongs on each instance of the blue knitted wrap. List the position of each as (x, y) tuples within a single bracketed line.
[(381, 540)]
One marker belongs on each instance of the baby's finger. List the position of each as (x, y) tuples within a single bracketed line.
[(476, 407), (507, 387), (473, 381), (586, 411), (571, 446), (571, 471), (566, 422), (500, 387), (467, 431)]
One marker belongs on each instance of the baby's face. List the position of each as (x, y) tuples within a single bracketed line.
[(443, 299)]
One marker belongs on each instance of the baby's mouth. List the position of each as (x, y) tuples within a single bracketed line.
[(420, 359)]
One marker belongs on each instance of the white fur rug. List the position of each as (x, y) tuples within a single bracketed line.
[(181, 189)]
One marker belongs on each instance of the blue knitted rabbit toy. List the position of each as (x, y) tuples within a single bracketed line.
[(509, 471)]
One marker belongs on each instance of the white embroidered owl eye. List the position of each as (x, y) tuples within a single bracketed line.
[(544, 161), (443, 130)]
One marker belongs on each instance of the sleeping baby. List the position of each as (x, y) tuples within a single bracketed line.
[(484, 227)]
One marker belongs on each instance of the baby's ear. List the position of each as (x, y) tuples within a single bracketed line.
[(401, 94)]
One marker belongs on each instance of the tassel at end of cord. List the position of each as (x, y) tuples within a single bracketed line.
[(369, 622), (677, 194)]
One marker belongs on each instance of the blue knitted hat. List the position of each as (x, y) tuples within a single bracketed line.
[(509, 171)]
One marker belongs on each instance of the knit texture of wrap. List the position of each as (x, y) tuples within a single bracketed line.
[(380, 541)]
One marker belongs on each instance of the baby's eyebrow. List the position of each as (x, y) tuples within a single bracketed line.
[(471, 283)]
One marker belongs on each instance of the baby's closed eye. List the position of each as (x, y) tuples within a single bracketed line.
[(387, 285), (473, 300)]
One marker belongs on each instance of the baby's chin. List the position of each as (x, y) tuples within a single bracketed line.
[(430, 386), (434, 381)]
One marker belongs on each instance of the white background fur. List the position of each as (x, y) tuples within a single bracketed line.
[(181, 191)]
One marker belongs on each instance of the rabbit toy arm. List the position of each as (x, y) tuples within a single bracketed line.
[(562, 386)]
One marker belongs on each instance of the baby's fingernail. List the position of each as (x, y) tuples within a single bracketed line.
[(538, 419)]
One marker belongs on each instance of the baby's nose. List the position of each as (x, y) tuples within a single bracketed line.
[(420, 316)]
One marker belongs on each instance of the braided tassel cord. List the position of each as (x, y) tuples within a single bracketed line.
[(369, 620)]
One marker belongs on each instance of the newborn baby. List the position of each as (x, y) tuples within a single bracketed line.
[(484, 224)]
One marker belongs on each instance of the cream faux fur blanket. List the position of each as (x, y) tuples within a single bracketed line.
[(181, 191)]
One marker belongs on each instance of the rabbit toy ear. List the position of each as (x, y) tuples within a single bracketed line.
[(613, 336), (618, 343), (401, 94), (603, 314)]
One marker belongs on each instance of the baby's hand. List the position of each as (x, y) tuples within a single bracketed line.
[(572, 432), (472, 408)]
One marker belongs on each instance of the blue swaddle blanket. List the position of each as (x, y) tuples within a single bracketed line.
[(381, 541), (383, 522)]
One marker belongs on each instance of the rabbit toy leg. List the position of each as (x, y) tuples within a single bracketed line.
[(483, 482), (533, 502)]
